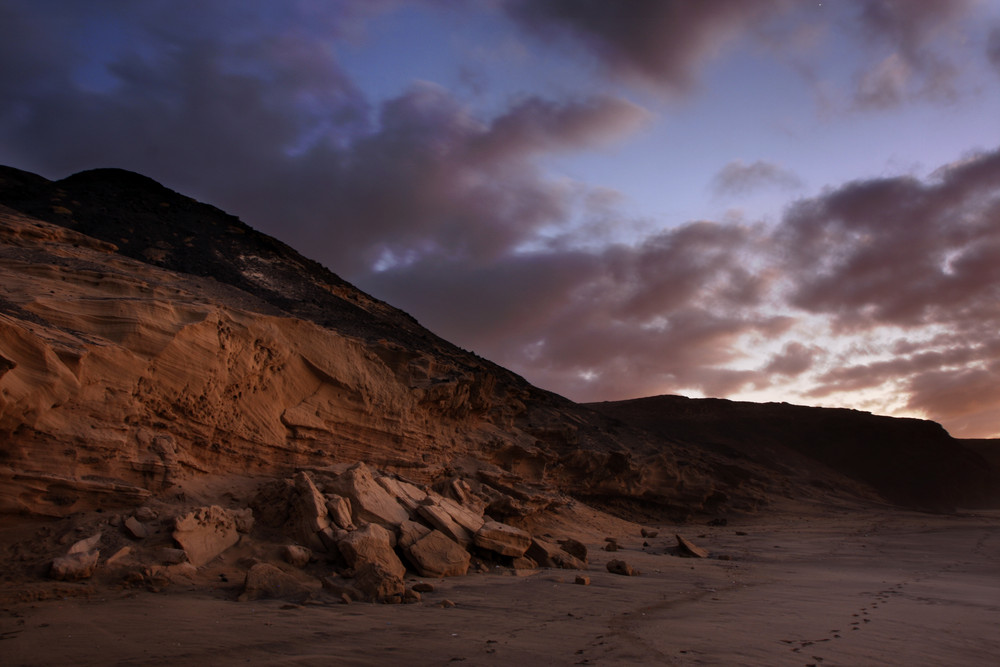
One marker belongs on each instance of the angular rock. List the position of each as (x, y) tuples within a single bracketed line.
[(441, 520), (647, 532), (205, 533), (307, 512), (524, 563), (409, 532), (118, 556), (146, 514), (74, 566), (435, 555), (379, 584), (686, 547), (243, 519), (85, 546), (582, 580), (468, 518), (502, 539), (371, 545), (622, 568), (339, 509), (548, 554), (135, 529), (406, 494), (265, 581), (295, 555), (574, 548), (370, 503), (172, 556)]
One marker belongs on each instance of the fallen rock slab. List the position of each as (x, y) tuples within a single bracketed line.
[(549, 554), (686, 547), (308, 512), (502, 539)]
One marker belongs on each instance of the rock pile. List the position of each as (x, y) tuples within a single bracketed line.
[(348, 529)]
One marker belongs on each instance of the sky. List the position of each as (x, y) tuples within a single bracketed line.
[(766, 200)]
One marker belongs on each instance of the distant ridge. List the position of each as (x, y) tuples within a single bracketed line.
[(909, 461)]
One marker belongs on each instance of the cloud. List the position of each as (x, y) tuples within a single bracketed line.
[(738, 178), (617, 321), (795, 359), (915, 67), (261, 119), (993, 48), (659, 42), (900, 251)]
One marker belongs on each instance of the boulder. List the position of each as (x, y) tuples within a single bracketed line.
[(370, 503), (172, 556), (502, 539), (307, 512), (339, 509), (548, 554), (145, 514), (205, 533), (371, 545), (243, 519), (379, 584), (296, 556), (74, 566), (435, 555), (266, 581), (135, 529), (574, 548), (409, 532), (622, 568)]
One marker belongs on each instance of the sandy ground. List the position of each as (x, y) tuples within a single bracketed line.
[(820, 587)]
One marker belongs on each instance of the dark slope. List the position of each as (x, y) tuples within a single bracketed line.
[(908, 461)]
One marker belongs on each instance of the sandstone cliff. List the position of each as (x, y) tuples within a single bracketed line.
[(146, 338)]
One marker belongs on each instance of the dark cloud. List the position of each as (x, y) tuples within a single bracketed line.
[(915, 67), (795, 359), (737, 177), (620, 321), (662, 42), (993, 48), (265, 122)]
